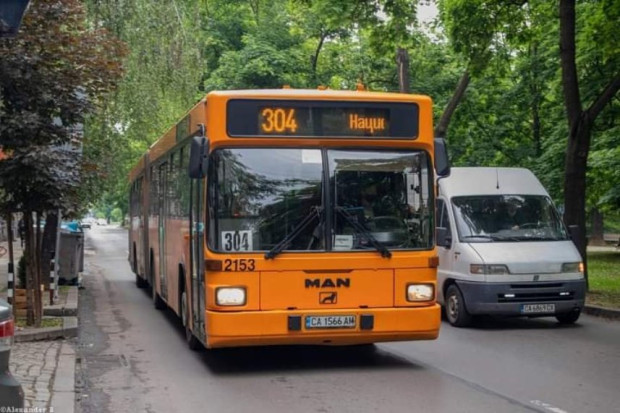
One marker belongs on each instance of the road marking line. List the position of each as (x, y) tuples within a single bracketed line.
[(547, 406)]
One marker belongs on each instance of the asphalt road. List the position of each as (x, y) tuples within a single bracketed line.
[(133, 358)]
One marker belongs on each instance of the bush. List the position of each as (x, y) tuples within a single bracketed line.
[(21, 272)]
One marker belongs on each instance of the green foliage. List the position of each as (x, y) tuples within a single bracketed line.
[(116, 215), (512, 113), (52, 76)]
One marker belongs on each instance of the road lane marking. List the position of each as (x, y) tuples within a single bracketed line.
[(547, 406)]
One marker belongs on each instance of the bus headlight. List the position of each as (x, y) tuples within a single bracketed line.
[(420, 292), (230, 296), (572, 267)]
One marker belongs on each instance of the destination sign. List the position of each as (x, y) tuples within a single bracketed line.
[(279, 118)]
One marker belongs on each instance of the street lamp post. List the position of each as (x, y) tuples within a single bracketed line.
[(11, 13)]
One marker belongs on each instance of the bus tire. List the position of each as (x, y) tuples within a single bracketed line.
[(568, 318), (140, 282), (192, 342), (456, 313), (158, 303)]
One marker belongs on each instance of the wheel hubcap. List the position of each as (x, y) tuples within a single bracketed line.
[(453, 305)]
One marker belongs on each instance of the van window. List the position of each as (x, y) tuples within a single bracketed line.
[(443, 220), (501, 218)]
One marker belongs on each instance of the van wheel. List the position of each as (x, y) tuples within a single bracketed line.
[(192, 341), (568, 318), (456, 313)]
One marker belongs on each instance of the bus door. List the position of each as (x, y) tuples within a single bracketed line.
[(163, 188), (197, 253)]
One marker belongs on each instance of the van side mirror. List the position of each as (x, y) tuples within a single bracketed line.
[(443, 237), (442, 163), (199, 155)]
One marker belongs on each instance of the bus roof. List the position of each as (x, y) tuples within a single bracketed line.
[(198, 114)]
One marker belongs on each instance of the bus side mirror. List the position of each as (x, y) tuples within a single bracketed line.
[(199, 156), (443, 237), (442, 163)]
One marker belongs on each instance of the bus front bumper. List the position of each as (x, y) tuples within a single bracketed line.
[(232, 329)]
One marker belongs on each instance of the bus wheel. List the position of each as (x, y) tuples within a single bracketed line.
[(140, 282), (456, 313), (191, 339), (157, 301), (568, 318)]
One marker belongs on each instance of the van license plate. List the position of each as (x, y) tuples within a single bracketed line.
[(330, 321), (537, 308)]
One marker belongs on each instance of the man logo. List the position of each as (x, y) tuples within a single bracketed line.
[(328, 298), (536, 277)]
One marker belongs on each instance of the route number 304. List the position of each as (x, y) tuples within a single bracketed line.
[(236, 240)]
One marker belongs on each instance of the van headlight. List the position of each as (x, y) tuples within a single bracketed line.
[(572, 267), (488, 269), (420, 292), (230, 296)]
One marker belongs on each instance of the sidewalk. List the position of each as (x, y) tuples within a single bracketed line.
[(43, 359)]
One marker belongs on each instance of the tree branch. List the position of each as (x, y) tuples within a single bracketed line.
[(604, 98), (444, 122)]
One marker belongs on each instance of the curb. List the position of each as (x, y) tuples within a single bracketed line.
[(69, 329), (597, 311)]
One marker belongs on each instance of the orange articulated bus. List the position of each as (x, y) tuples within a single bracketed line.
[(269, 217)]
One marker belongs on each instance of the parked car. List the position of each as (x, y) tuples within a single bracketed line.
[(102, 222), (11, 393)]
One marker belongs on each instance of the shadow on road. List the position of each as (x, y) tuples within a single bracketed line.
[(269, 359), (490, 323)]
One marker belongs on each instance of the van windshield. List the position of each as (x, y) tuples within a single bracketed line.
[(503, 218)]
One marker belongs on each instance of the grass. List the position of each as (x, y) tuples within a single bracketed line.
[(46, 322), (604, 278)]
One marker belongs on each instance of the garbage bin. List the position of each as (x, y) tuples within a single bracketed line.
[(70, 257)]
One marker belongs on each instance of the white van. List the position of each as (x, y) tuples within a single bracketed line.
[(503, 248)]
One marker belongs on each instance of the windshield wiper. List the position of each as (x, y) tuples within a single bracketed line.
[(315, 212), (484, 236), (363, 231)]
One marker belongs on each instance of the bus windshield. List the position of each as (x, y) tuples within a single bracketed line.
[(263, 199), (502, 218)]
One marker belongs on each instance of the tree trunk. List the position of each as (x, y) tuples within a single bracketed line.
[(30, 278), (444, 122), (575, 182), (402, 60), (596, 228), (38, 280), (48, 246)]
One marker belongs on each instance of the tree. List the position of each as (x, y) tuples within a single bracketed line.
[(52, 75), (580, 121)]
